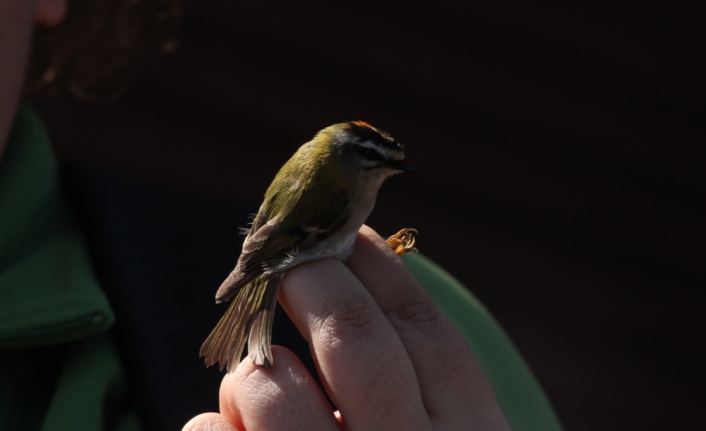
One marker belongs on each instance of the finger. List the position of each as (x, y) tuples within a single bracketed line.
[(209, 422), (359, 355), (284, 397), (450, 376)]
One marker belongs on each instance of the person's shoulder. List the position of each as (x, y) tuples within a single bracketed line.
[(160, 254)]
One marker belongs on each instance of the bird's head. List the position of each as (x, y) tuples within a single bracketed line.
[(363, 150)]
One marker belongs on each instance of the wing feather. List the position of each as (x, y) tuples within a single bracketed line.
[(293, 217)]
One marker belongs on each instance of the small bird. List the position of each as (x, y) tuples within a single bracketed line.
[(312, 210)]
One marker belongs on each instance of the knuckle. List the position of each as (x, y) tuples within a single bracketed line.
[(419, 314), (350, 319)]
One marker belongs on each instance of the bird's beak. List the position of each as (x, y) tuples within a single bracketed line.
[(405, 166)]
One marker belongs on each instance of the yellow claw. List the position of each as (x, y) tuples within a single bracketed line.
[(403, 241)]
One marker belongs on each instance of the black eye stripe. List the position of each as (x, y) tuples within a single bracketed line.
[(370, 154)]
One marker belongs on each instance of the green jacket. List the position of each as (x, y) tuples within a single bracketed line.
[(60, 367)]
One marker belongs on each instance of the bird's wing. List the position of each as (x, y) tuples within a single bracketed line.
[(269, 243)]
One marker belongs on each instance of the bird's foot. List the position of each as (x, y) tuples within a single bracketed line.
[(403, 241)]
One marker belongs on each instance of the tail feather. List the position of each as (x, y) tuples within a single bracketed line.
[(260, 338), (253, 306)]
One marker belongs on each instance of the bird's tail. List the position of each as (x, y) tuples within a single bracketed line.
[(250, 317)]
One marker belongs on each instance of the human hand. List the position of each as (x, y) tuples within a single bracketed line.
[(389, 358)]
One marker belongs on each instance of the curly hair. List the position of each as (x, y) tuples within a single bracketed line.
[(98, 49)]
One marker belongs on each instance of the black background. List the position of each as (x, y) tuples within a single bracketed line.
[(563, 145)]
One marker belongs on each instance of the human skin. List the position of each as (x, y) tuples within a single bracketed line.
[(18, 19), (389, 358)]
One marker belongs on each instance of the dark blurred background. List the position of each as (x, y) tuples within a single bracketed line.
[(563, 145)]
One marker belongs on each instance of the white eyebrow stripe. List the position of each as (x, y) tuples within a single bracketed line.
[(386, 153), (370, 144)]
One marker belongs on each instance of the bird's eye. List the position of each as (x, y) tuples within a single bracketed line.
[(372, 155)]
